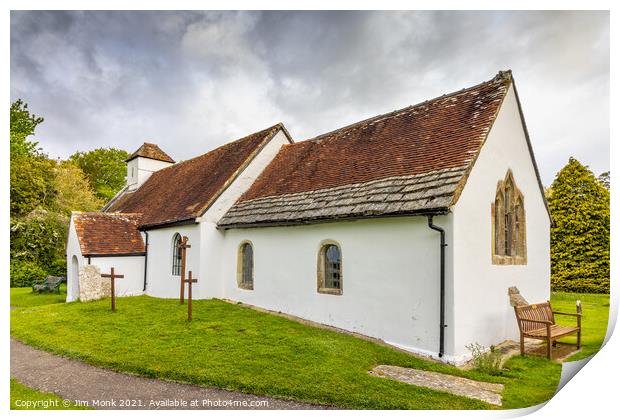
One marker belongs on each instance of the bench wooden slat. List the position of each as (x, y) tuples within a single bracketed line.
[(538, 321), (557, 331)]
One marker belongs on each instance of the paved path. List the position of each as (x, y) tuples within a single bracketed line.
[(484, 391), (77, 381)]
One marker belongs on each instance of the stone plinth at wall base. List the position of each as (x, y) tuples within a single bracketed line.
[(92, 285)]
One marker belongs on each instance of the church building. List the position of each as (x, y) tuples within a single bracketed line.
[(408, 227)]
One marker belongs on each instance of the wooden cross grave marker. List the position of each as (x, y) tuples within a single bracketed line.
[(183, 248), (113, 276), (189, 281)]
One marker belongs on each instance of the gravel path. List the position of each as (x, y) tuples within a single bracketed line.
[(105, 389)]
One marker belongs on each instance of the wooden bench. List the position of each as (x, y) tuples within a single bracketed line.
[(50, 284), (538, 321)]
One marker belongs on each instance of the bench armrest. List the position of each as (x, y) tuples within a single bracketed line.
[(566, 313), (539, 321)]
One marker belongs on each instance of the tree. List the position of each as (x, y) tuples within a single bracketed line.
[(39, 237), (32, 184), (73, 190), (43, 194), (31, 171), (604, 179), (104, 168), (579, 205), (23, 125)]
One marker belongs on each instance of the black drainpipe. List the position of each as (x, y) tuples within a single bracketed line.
[(442, 283), (146, 255)]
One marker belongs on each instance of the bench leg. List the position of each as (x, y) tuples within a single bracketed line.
[(522, 346), (554, 343), (549, 349), (579, 339)]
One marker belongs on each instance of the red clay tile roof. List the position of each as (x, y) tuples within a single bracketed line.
[(185, 190), (439, 134), (441, 137), (108, 233), (151, 151)]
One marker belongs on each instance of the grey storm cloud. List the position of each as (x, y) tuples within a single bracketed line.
[(191, 81)]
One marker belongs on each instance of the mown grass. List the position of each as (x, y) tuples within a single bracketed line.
[(236, 348), (25, 398), (23, 297), (595, 316)]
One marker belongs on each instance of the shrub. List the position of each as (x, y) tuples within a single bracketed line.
[(39, 237), (24, 273), (579, 204), (489, 362), (58, 268)]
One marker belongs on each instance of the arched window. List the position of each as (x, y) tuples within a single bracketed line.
[(508, 215), (176, 255), (245, 266), (330, 268)]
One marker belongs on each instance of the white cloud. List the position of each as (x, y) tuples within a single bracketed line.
[(191, 81)]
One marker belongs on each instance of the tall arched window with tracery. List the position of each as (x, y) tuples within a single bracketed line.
[(508, 223)]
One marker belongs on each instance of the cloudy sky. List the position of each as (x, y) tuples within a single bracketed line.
[(191, 81)]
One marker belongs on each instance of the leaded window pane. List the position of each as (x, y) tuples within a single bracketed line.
[(247, 261), (332, 267), (176, 256), (500, 234)]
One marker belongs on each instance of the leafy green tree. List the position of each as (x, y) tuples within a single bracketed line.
[(32, 184), (31, 172), (579, 204), (24, 273), (39, 237), (43, 194), (604, 179), (104, 168), (73, 190), (23, 125)]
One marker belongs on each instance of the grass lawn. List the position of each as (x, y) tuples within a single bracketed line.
[(236, 348), (37, 400), (595, 310), (23, 296)]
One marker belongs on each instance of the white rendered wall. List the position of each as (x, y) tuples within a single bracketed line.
[(140, 169), (245, 179), (212, 238), (73, 249), (390, 276), (482, 312), (132, 267), (160, 281), (205, 240)]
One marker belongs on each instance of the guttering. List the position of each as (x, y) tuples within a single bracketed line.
[(442, 283), (332, 219), (161, 225), (126, 254), (146, 255)]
